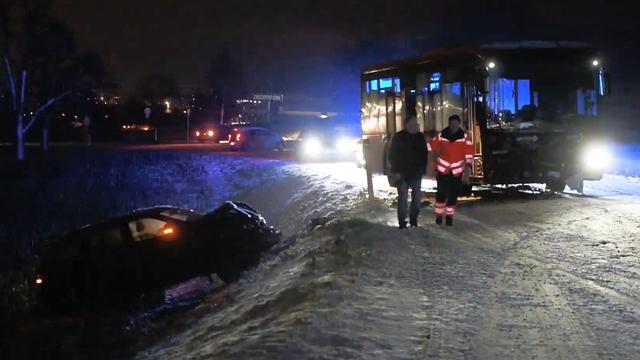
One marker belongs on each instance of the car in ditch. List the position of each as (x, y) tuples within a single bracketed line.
[(149, 250)]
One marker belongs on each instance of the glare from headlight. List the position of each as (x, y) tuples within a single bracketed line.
[(360, 155), (312, 147), (596, 157), (346, 145)]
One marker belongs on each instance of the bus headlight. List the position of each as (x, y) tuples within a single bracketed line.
[(312, 147), (596, 157)]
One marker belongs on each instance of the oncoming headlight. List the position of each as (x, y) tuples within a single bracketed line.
[(312, 146), (596, 157)]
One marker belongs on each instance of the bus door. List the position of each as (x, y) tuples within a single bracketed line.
[(475, 109), (427, 117), (393, 110)]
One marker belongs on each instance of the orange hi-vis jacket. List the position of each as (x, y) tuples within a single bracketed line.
[(453, 151)]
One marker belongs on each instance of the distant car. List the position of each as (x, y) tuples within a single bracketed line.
[(133, 132), (326, 144), (255, 138), (150, 249), (213, 134)]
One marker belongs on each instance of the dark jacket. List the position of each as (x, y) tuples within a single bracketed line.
[(408, 154)]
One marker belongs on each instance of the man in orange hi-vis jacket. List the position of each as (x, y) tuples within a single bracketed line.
[(455, 152)]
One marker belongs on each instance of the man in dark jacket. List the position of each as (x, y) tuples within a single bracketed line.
[(408, 159)]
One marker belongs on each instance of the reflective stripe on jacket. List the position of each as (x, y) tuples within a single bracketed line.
[(454, 151)]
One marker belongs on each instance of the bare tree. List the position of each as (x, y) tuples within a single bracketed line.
[(41, 63)]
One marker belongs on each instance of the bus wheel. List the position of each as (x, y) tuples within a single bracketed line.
[(556, 185), (466, 189)]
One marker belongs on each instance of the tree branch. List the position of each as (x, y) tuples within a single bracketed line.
[(12, 81), (43, 108)]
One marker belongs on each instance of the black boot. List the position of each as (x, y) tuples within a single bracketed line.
[(402, 224), (449, 220), (439, 220), (413, 222)]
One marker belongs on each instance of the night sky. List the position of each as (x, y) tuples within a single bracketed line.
[(315, 46)]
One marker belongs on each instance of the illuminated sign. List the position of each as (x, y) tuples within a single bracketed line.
[(268, 97)]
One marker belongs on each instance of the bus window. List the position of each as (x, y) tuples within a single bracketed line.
[(586, 102), (524, 103), (448, 102), (386, 83), (438, 102)]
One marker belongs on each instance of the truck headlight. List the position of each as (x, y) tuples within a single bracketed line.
[(312, 146), (596, 157)]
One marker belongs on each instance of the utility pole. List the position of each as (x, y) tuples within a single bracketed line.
[(188, 118), (269, 111), (222, 107)]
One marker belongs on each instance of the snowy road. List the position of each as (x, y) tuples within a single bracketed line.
[(544, 276)]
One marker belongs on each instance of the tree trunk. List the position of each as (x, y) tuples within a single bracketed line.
[(20, 138), (45, 134), (20, 110)]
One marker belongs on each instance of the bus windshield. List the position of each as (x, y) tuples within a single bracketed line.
[(525, 103)]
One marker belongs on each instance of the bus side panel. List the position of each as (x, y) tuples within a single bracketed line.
[(375, 153)]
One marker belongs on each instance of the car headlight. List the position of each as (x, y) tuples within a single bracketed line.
[(312, 146), (346, 145), (596, 157)]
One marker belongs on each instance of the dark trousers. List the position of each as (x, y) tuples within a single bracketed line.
[(449, 187), (403, 197)]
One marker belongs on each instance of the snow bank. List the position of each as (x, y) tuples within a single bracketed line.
[(627, 161)]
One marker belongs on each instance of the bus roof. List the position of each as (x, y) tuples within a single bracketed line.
[(504, 50)]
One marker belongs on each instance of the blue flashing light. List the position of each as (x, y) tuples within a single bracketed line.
[(374, 85)]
